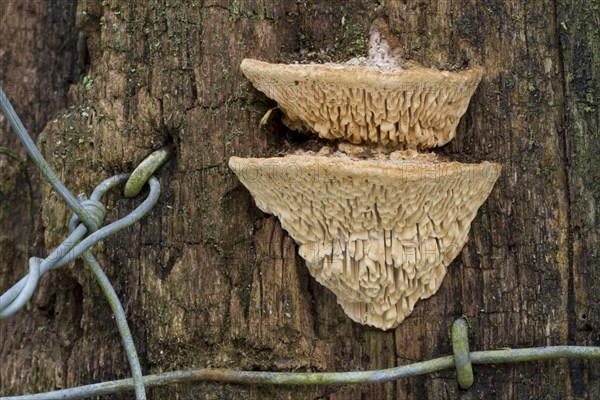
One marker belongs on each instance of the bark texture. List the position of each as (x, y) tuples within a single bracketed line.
[(38, 53), (208, 280)]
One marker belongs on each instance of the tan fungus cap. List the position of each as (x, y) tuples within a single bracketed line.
[(417, 108), (378, 233)]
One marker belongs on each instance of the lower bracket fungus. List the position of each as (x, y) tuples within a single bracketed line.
[(378, 232)]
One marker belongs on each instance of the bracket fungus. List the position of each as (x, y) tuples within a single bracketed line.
[(376, 99), (379, 233), (376, 221)]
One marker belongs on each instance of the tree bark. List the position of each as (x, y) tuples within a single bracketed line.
[(207, 279), (38, 53)]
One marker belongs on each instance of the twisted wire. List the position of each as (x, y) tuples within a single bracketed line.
[(88, 217)]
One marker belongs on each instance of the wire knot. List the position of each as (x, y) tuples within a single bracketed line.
[(96, 211)]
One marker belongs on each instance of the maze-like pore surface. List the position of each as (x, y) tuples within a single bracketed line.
[(416, 108), (379, 234)]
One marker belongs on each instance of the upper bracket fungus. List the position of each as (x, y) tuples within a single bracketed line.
[(375, 99), (376, 221)]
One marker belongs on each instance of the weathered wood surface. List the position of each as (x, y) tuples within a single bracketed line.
[(208, 280)]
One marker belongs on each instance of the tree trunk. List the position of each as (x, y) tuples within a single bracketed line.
[(208, 280)]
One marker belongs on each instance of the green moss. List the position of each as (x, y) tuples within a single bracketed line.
[(355, 40), (484, 219), (235, 10), (87, 82), (116, 38)]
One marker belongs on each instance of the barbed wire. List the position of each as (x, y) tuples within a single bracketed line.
[(88, 219)]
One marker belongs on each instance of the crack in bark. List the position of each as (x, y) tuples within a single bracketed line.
[(566, 164)]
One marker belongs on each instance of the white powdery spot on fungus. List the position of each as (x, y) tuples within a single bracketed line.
[(379, 233)]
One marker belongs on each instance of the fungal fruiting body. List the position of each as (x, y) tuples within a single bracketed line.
[(412, 108), (377, 229), (378, 233)]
